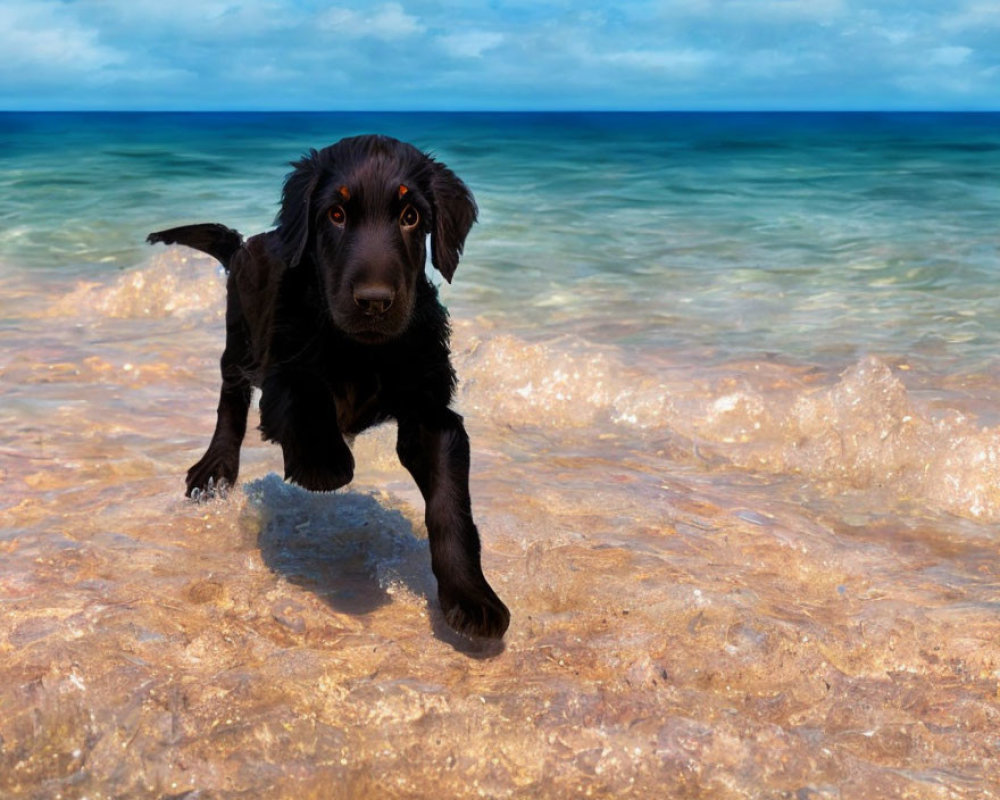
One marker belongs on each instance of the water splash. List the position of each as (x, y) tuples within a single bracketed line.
[(174, 283), (860, 430)]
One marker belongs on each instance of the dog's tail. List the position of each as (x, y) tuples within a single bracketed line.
[(210, 237)]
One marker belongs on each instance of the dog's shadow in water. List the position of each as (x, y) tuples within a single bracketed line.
[(346, 548)]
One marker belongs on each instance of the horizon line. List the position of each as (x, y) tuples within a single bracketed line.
[(817, 111)]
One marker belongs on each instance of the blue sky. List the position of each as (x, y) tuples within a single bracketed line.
[(435, 54)]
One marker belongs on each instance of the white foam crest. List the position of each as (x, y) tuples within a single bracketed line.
[(567, 381), (860, 431), (173, 283), (866, 432)]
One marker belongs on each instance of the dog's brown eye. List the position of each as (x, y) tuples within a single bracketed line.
[(410, 217), (337, 215)]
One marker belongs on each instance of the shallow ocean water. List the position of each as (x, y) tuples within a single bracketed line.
[(732, 391)]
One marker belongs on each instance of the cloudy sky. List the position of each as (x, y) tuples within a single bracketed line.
[(499, 54)]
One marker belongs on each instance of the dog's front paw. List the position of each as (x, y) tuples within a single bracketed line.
[(320, 472), (477, 612), (318, 478), (213, 474)]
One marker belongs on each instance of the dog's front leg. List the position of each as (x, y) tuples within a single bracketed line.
[(219, 467), (297, 410), (217, 470), (436, 453)]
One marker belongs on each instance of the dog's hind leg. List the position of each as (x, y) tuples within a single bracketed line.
[(220, 465), (436, 453)]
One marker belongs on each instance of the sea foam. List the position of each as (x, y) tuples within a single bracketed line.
[(172, 283), (859, 430)]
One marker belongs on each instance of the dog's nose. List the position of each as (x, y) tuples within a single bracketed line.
[(373, 300)]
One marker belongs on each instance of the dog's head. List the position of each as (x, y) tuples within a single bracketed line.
[(360, 212)]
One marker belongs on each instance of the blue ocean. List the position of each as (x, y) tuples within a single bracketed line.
[(733, 388)]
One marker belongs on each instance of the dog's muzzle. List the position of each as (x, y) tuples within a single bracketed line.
[(373, 300)]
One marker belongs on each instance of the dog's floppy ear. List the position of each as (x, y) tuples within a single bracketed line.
[(295, 217), (454, 213)]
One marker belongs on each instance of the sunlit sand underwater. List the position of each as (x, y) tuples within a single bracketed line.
[(734, 401)]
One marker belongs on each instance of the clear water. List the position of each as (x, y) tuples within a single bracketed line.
[(733, 391)]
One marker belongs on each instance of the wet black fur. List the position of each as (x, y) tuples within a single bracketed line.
[(331, 361)]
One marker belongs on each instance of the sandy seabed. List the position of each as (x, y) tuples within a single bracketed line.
[(683, 625)]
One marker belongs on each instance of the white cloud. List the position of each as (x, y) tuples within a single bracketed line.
[(975, 16), (392, 22), (768, 64), (266, 73), (750, 12), (894, 36), (788, 10), (950, 56), (683, 61), (471, 44), (388, 22), (137, 19), (40, 36), (341, 20), (564, 53)]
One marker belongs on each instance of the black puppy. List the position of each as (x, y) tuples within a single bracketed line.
[(332, 316)]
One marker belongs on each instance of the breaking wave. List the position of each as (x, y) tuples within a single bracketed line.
[(173, 283), (860, 429)]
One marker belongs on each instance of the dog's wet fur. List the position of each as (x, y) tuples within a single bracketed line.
[(332, 316)]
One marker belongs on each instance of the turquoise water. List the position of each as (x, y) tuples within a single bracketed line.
[(733, 392), (726, 234)]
